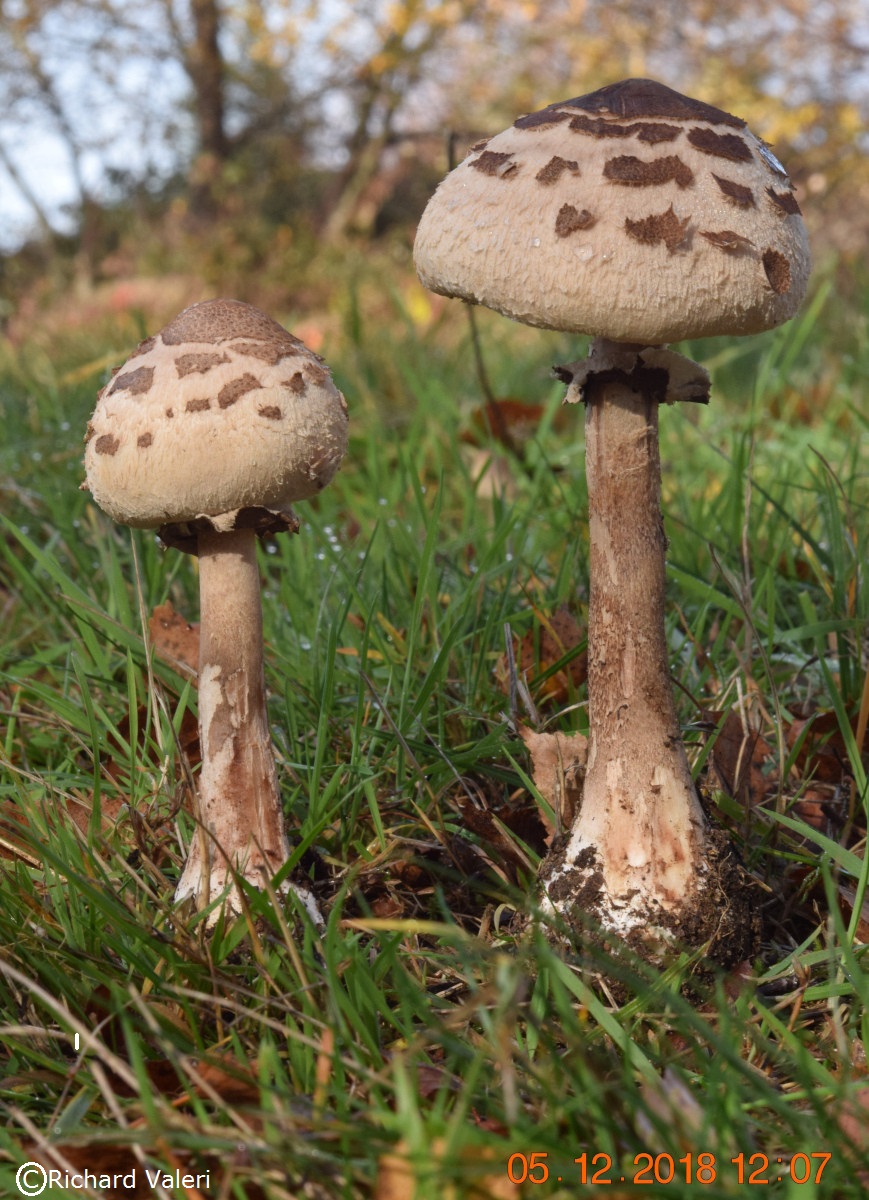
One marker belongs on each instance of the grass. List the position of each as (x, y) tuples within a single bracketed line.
[(420, 1045)]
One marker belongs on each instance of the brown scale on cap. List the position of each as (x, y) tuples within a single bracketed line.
[(107, 444), (633, 172), (271, 412), (491, 162), (597, 127), (198, 404), (651, 132), (555, 168), (736, 193), (268, 352), (198, 364), (654, 132), (721, 145), (778, 271), (296, 383), (135, 382), (234, 391), (786, 202), (663, 227), (144, 440), (539, 120), (571, 220)]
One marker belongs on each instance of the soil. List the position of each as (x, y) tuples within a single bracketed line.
[(722, 914)]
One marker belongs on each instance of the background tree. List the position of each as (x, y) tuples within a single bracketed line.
[(281, 112)]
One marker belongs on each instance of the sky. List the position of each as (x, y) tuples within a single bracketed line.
[(127, 136)]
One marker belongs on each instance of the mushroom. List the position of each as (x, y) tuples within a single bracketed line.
[(639, 216), (208, 433)]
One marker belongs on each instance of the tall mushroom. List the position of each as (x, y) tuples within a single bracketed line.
[(639, 216), (208, 433)]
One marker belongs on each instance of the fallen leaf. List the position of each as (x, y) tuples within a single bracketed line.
[(388, 907), (558, 769), (223, 1074), (559, 634), (551, 639), (512, 422), (111, 809), (854, 1120), (824, 807), (125, 1175), (14, 842), (175, 639), (737, 759), (822, 754)]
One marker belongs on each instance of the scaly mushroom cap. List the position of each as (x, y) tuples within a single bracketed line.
[(633, 213), (222, 417)]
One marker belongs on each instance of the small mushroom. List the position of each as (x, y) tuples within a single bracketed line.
[(208, 433), (639, 216)]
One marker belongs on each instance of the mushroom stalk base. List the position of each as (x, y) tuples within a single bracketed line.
[(638, 851), (239, 814)]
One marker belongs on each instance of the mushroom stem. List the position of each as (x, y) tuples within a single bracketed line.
[(639, 836), (241, 823)]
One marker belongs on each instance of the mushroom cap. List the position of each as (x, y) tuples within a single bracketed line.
[(222, 412), (633, 213)]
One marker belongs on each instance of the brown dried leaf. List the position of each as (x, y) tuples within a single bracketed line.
[(737, 759), (11, 834), (823, 753), (125, 1177), (854, 1123), (512, 422), (822, 808), (387, 907), (558, 769), (14, 840), (232, 1080), (175, 640), (110, 810), (559, 634), (537, 652)]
